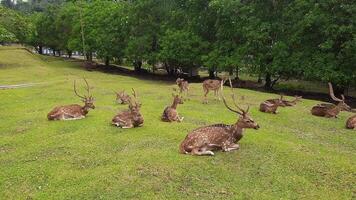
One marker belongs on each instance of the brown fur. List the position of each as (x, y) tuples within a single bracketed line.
[(183, 86), (285, 103), (330, 110), (351, 123), (129, 118), (268, 107), (205, 140), (74, 111), (122, 97), (215, 85), (170, 113)]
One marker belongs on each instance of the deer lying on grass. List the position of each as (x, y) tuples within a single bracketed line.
[(215, 85), (205, 140), (74, 111), (122, 97), (129, 118), (286, 102), (269, 107), (170, 113), (351, 123), (183, 86), (331, 110)]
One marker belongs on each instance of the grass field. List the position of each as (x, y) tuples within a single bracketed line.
[(293, 156)]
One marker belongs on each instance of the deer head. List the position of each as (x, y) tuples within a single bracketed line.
[(134, 104), (179, 80), (177, 99), (342, 105), (87, 99)]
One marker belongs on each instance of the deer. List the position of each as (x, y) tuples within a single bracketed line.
[(331, 110), (122, 97), (206, 139), (170, 113), (74, 111), (351, 123), (269, 107), (129, 118), (215, 85), (286, 103), (183, 86)]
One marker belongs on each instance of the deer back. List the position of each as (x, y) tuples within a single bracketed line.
[(351, 122)]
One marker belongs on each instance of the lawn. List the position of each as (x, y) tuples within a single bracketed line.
[(293, 156)]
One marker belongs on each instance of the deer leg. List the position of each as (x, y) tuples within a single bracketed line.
[(201, 152), (232, 147), (205, 101), (180, 119), (127, 126)]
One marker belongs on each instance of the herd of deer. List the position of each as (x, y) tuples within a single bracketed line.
[(206, 139)]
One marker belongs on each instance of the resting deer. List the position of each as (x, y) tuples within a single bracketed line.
[(215, 85), (74, 111), (129, 118), (331, 110), (183, 86), (351, 123), (122, 97), (170, 113), (269, 107), (286, 102), (205, 140)]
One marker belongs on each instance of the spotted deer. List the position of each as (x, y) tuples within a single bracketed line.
[(351, 123), (129, 118), (170, 113), (330, 110), (286, 102), (269, 107), (122, 97), (214, 85), (205, 140), (183, 86), (74, 111)]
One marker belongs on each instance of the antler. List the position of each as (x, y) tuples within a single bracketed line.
[(332, 95), (75, 91), (240, 111), (87, 88)]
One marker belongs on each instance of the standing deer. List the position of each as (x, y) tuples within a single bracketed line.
[(331, 110), (286, 102), (205, 140), (122, 97), (215, 85), (351, 123), (269, 107), (170, 113), (74, 111), (183, 86), (129, 118)]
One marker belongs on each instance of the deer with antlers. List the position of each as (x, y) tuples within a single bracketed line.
[(74, 111), (351, 123), (331, 110), (214, 85), (132, 117), (183, 86), (122, 97), (286, 102), (271, 107), (170, 113), (205, 140)]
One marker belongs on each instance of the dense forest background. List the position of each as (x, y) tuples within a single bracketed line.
[(271, 39)]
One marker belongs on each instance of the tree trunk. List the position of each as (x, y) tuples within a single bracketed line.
[(259, 80), (107, 61), (268, 82), (211, 73), (54, 52), (237, 73), (40, 49), (59, 53), (137, 65), (69, 53)]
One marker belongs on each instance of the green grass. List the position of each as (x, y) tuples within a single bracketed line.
[(293, 156)]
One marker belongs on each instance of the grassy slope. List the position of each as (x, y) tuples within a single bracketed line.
[(294, 155)]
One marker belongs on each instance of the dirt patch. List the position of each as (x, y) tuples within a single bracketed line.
[(2, 87)]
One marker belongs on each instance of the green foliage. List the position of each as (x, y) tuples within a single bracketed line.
[(15, 27)]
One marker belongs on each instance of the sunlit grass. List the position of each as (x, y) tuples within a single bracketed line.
[(293, 156)]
